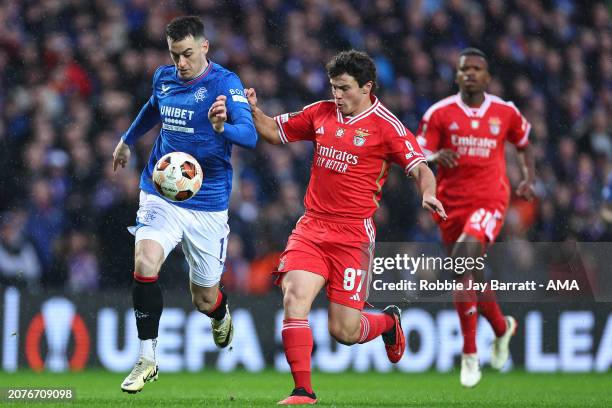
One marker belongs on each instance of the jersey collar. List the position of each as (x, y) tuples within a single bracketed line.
[(482, 110), (199, 77), (349, 120)]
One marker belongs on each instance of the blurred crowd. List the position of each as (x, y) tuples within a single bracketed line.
[(74, 73)]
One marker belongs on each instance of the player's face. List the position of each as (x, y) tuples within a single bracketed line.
[(350, 98), (188, 55), (472, 74)]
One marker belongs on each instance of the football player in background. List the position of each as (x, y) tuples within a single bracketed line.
[(203, 112), (465, 135), (355, 137)]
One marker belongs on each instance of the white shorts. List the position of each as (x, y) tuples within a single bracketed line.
[(202, 234)]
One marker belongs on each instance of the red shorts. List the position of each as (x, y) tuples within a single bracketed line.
[(341, 252), (483, 223)]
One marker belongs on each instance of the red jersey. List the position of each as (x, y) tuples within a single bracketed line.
[(351, 156), (478, 135)]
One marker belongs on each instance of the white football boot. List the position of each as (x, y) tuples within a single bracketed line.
[(470, 370), (501, 345), (144, 371), (223, 330)]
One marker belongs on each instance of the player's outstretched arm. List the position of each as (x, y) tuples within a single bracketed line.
[(146, 119), (426, 182), (265, 125), (526, 189)]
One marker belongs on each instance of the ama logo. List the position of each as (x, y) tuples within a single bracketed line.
[(60, 322)]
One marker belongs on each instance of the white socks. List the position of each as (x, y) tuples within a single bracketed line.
[(147, 349)]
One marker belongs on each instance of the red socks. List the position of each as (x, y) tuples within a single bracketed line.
[(373, 325), (297, 341), (465, 304), (488, 307), (468, 303)]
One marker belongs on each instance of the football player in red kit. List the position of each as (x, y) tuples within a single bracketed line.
[(355, 138), (465, 135)]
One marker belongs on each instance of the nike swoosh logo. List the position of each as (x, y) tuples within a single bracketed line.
[(128, 384)]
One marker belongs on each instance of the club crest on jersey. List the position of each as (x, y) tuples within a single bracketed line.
[(339, 132), (149, 216), (200, 94), (360, 137), (475, 123), (494, 126)]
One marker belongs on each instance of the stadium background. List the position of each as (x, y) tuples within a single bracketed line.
[(75, 73)]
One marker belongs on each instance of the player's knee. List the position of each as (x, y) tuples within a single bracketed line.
[(145, 265), (148, 258), (343, 334), (296, 303), (468, 246)]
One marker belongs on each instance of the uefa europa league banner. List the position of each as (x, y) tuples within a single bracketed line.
[(58, 332)]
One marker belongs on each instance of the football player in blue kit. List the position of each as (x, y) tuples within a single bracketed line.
[(203, 111)]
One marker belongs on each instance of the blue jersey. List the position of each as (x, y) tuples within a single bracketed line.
[(182, 108)]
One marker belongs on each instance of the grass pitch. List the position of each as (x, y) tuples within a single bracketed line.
[(241, 389)]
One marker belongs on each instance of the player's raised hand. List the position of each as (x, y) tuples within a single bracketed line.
[(432, 204), (251, 96), (445, 157), (526, 190), (121, 155), (217, 114)]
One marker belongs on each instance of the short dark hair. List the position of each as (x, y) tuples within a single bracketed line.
[(182, 27), (471, 51), (357, 64)]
